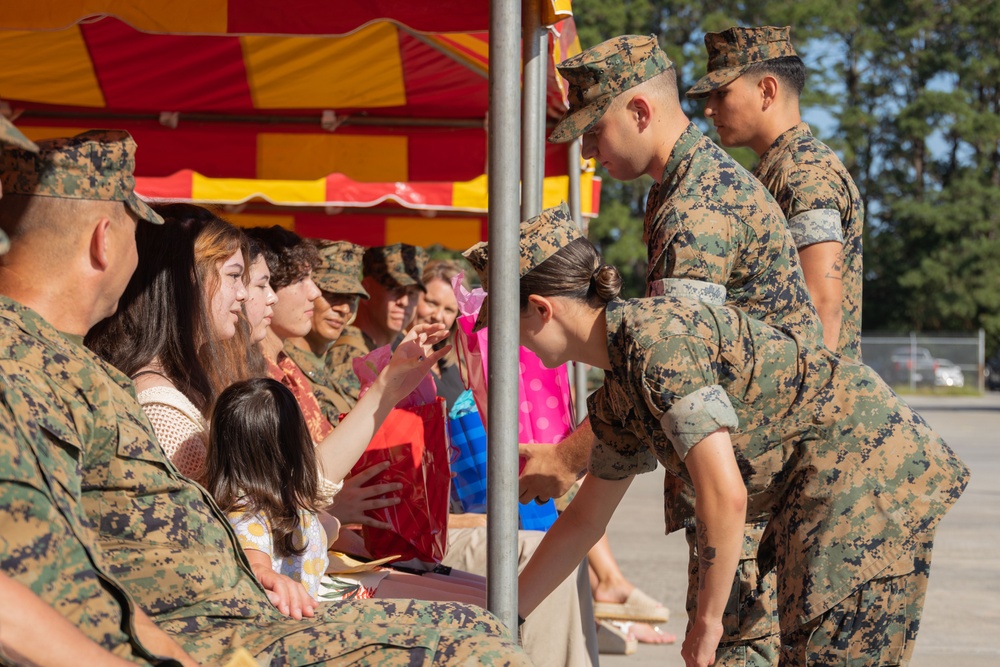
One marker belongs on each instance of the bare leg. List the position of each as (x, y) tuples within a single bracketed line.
[(606, 578)]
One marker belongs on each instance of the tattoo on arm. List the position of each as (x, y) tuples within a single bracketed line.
[(706, 556), (836, 271)]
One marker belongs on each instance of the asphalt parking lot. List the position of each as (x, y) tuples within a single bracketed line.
[(961, 622)]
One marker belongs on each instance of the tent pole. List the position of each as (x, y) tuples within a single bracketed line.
[(504, 148), (535, 51), (576, 209)]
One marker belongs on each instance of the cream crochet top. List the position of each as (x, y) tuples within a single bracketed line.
[(183, 434), (179, 426)]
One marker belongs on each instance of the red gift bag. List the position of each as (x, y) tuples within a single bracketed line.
[(415, 442)]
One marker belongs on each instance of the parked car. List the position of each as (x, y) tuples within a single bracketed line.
[(916, 364), (948, 374), (993, 372)]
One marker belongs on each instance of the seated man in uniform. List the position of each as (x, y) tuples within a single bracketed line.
[(71, 214), (392, 277)]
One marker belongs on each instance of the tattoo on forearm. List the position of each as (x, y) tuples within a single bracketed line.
[(706, 556)]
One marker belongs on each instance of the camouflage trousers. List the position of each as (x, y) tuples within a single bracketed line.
[(362, 632), (874, 627), (750, 636)]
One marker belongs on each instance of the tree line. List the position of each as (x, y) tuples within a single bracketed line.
[(909, 96)]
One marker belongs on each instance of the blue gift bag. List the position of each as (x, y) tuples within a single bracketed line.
[(468, 484)]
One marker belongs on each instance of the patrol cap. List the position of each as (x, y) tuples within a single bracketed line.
[(541, 237), (96, 165), (732, 51), (600, 74), (339, 267), (12, 136), (396, 265)]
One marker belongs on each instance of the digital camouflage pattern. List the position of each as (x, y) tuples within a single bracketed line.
[(715, 234), (848, 477), (41, 545), (732, 51), (821, 203), (12, 136), (333, 401), (168, 545), (96, 165), (709, 223), (396, 265), (540, 238), (339, 268), (600, 74), (353, 343)]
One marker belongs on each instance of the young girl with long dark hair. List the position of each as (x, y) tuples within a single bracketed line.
[(262, 470)]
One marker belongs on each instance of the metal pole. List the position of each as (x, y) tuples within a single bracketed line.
[(981, 362), (576, 210), (503, 144), (535, 51)]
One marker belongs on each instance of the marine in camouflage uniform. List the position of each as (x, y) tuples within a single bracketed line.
[(39, 529), (811, 185), (337, 274), (387, 267), (715, 234), (155, 533), (817, 195), (853, 481)]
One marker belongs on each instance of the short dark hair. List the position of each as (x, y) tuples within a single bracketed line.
[(790, 70), (290, 258), (261, 459)]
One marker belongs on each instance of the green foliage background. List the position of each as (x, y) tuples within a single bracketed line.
[(911, 89)]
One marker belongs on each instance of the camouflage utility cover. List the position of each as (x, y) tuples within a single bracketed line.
[(339, 268), (396, 265), (732, 51), (165, 541), (541, 237), (96, 165), (600, 74), (822, 204), (847, 473)]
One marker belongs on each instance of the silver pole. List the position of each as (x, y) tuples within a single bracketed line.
[(576, 209), (981, 375), (535, 51), (503, 144)]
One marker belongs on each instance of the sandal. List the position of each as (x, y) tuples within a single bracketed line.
[(613, 640), (639, 607)]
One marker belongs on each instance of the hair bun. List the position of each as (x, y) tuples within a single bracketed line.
[(606, 281)]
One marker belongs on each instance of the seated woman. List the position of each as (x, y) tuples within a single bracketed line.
[(851, 481), (437, 305), (183, 301)]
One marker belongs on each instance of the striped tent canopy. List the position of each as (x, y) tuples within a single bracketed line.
[(304, 99)]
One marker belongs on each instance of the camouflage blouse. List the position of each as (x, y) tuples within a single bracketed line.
[(715, 234), (821, 202), (846, 471)]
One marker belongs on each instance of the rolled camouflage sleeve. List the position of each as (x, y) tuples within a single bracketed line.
[(618, 453), (696, 416), (815, 201)]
